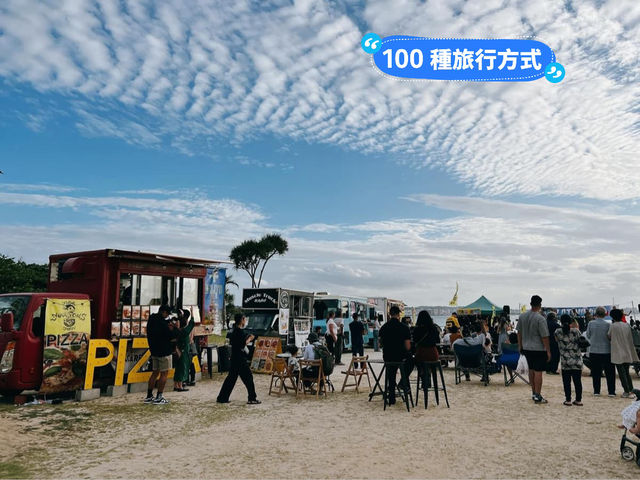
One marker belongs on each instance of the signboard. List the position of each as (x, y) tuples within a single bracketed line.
[(264, 355), (67, 328), (215, 280), (262, 298), (283, 321), (301, 328)]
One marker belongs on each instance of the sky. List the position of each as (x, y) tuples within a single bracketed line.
[(188, 127)]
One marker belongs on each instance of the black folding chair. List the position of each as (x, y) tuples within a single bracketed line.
[(470, 359)]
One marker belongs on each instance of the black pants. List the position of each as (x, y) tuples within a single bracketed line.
[(567, 377), (238, 368), (357, 350), (625, 378), (330, 343), (552, 366), (337, 352), (390, 381), (600, 361)]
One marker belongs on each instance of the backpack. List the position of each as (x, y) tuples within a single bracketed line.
[(323, 353)]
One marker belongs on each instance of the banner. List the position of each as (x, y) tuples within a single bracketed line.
[(283, 321), (454, 301), (301, 328), (67, 330), (215, 281)]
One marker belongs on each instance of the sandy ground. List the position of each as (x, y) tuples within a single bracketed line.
[(489, 432)]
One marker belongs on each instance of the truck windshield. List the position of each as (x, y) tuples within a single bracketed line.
[(259, 321), (322, 308), (16, 304)]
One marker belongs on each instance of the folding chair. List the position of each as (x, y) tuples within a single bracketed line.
[(509, 361), (310, 374), (281, 373), (357, 373), (470, 359)]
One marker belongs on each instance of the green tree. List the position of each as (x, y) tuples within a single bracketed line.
[(19, 276), (252, 256)]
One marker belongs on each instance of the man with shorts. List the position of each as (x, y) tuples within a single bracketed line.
[(159, 336), (533, 342)]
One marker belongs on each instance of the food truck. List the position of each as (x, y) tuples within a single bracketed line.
[(279, 312), (381, 306), (123, 289), (345, 306)]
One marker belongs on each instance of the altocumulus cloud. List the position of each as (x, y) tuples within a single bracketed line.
[(189, 72)]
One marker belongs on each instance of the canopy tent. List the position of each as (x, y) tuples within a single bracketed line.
[(485, 305)]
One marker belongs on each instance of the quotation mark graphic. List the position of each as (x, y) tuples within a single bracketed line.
[(554, 72), (371, 43)]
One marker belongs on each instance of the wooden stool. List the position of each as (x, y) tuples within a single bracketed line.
[(357, 373), (431, 368), (403, 388)]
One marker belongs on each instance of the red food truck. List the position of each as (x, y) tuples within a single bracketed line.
[(123, 288)]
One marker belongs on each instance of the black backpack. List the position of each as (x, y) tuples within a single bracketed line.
[(323, 353)]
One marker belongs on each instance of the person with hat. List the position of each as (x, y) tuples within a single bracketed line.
[(533, 342)]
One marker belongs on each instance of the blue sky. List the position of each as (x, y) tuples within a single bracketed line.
[(158, 127)]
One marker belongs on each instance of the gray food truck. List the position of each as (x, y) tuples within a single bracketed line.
[(278, 312)]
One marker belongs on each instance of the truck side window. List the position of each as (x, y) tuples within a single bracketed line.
[(37, 326)]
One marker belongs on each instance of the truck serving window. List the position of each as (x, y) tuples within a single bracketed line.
[(16, 304), (259, 321)]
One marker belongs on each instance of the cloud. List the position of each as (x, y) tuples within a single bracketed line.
[(39, 187), (183, 76), (505, 250)]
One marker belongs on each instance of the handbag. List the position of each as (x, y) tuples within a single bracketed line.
[(583, 342)]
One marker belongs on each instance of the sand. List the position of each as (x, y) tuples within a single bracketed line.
[(489, 432)]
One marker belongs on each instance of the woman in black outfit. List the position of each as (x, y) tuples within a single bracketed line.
[(425, 339), (239, 363)]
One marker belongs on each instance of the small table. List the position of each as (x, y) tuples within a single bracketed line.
[(377, 388)]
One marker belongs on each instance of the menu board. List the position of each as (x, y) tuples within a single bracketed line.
[(264, 354)]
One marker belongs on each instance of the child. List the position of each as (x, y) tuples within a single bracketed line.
[(292, 361), (631, 415)]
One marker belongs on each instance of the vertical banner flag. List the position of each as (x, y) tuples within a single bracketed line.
[(214, 298), (454, 300), (67, 328)]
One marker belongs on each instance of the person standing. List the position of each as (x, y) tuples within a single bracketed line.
[(396, 347), (181, 374), (503, 331), (533, 342), (339, 338), (623, 352), (570, 359), (600, 353), (331, 335), (239, 363), (357, 331), (377, 321), (552, 326), (159, 336)]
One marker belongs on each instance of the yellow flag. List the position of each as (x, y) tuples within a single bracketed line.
[(454, 300), (523, 308)]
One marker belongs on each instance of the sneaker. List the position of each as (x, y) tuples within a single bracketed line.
[(254, 402), (626, 395), (160, 401), (596, 394), (540, 399), (611, 395), (222, 401), (148, 399)]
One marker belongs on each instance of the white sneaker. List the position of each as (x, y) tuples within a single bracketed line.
[(160, 401)]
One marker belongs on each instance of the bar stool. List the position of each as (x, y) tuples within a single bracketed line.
[(403, 388), (432, 368)]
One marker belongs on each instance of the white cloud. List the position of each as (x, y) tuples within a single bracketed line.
[(233, 70), (505, 250)]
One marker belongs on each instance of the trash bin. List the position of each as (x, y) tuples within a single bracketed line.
[(224, 358)]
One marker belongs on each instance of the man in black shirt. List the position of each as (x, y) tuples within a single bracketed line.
[(159, 336), (396, 345), (239, 363)]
